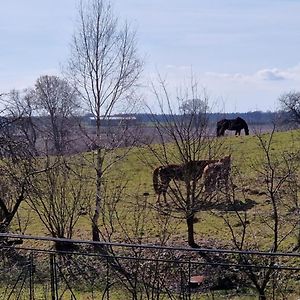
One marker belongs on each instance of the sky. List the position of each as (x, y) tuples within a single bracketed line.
[(244, 53)]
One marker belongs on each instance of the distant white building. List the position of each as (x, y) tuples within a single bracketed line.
[(114, 121)]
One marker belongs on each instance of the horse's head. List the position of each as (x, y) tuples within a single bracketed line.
[(246, 130), (243, 125), (226, 160)]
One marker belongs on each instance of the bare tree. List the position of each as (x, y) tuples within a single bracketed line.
[(184, 140), (20, 111), (276, 176), (16, 175), (56, 101), (18, 168), (24, 172), (61, 194), (290, 103), (190, 106), (292, 194), (105, 68), (139, 277)]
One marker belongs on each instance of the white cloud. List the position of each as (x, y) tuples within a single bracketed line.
[(262, 75), (239, 92), (271, 74)]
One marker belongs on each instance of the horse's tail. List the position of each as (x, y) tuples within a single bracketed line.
[(156, 181), (222, 125), (219, 127), (222, 129)]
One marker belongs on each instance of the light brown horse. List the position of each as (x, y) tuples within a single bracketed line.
[(186, 172), (216, 175)]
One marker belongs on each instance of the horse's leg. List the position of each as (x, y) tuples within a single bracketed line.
[(227, 181), (214, 181), (209, 184), (158, 199), (162, 193), (165, 198), (206, 186), (237, 132), (219, 130), (163, 190)]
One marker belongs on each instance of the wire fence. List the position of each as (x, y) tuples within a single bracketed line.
[(51, 268)]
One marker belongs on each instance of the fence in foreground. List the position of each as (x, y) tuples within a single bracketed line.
[(49, 268)]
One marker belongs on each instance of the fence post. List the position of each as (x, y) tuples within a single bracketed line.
[(107, 279), (189, 279), (31, 278), (53, 276)]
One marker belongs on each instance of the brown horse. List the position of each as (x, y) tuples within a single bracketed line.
[(186, 172), (216, 174)]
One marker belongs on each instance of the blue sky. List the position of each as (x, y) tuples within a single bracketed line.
[(245, 53)]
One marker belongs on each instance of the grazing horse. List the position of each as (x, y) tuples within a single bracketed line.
[(232, 124), (215, 175), (186, 172)]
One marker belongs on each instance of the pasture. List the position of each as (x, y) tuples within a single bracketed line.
[(134, 174), (130, 212)]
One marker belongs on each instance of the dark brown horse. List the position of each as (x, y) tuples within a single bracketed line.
[(232, 124), (186, 172)]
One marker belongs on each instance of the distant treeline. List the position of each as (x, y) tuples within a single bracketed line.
[(256, 117)]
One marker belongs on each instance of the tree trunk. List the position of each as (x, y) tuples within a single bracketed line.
[(95, 227), (262, 295), (190, 227)]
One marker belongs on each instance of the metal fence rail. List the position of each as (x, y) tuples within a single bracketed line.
[(99, 270)]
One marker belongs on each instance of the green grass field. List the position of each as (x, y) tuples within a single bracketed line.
[(133, 172), (135, 217)]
